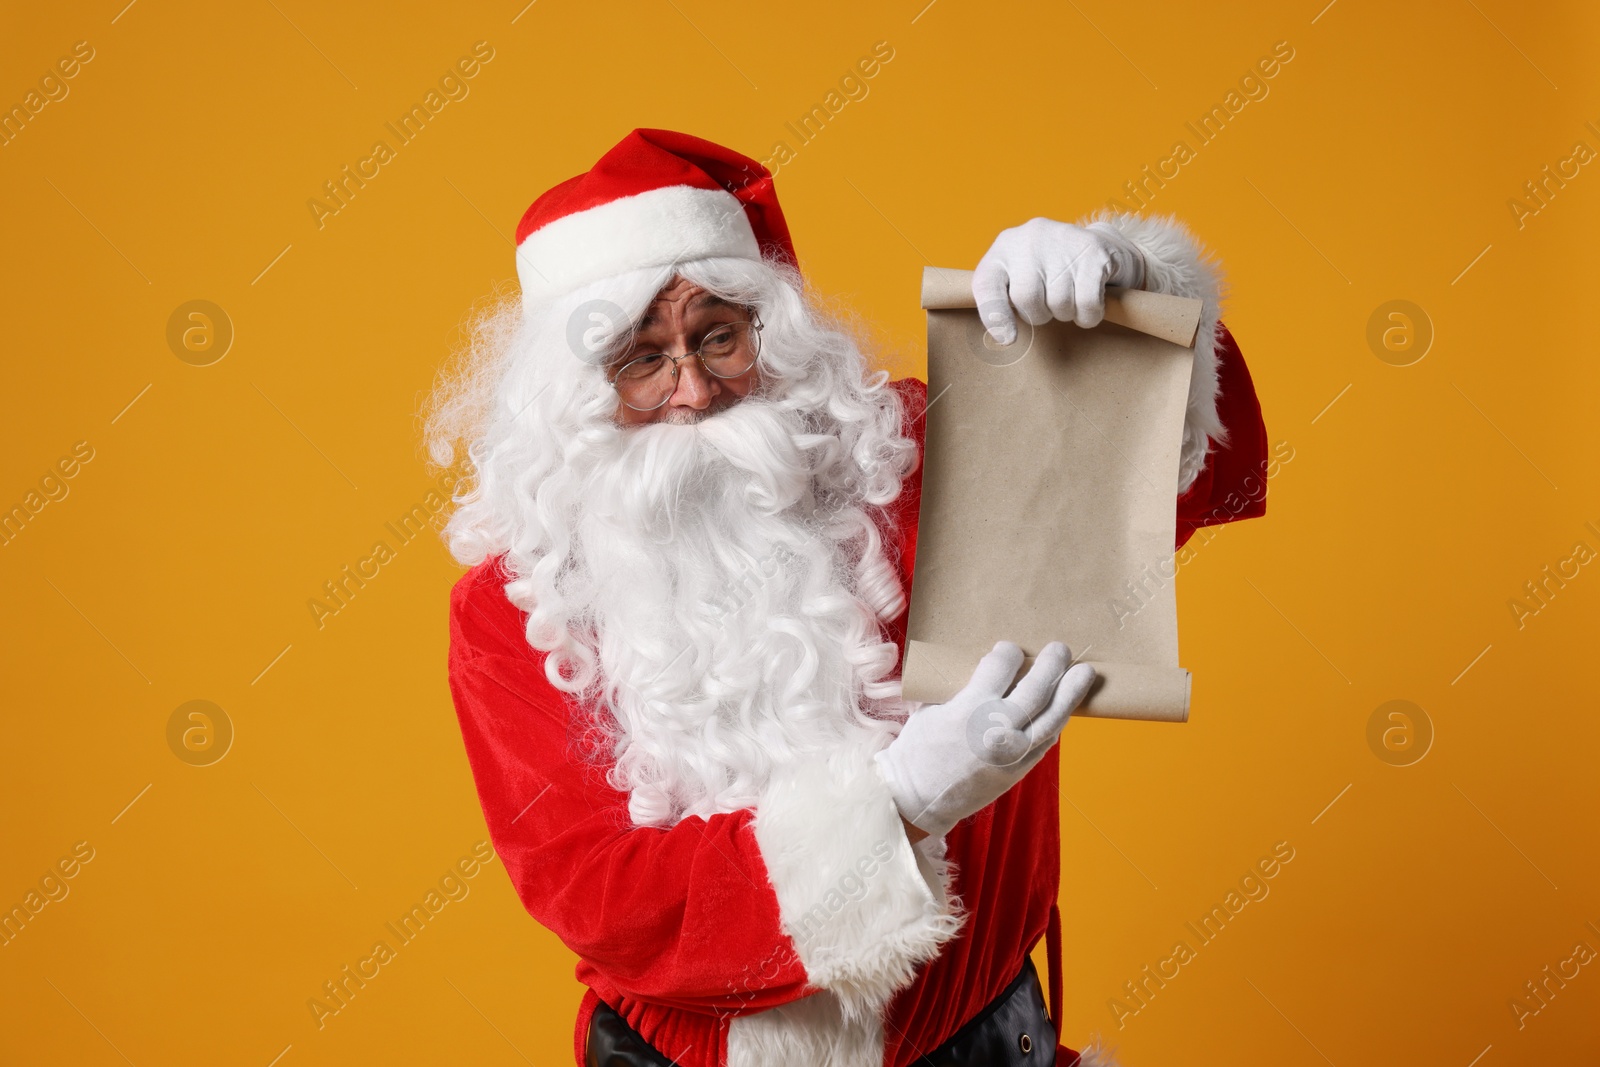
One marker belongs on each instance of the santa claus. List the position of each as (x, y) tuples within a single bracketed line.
[(690, 512)]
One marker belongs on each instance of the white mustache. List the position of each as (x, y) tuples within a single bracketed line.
[(670, 467)]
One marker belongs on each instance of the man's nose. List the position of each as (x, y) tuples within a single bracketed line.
[(695, 387)]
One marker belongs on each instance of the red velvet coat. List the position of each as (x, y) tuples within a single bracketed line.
[(682, 930)]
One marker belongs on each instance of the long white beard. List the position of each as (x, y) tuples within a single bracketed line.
[(727, 603)]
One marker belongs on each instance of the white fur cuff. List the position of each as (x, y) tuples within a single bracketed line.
[(1176, 263), (862, 905)]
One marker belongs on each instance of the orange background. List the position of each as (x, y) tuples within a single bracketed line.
[(179, 564)]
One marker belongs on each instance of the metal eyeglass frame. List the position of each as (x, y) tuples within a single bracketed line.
[(753, 323)]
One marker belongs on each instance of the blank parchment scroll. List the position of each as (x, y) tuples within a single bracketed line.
[(1049, 485)]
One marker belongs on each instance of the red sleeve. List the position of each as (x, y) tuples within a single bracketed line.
[(685, 916), (906, 508), (1233, 483)]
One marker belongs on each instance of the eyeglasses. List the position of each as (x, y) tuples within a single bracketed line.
[(646, 382)]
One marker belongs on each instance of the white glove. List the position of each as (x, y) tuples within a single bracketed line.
[(1053, 270), (956, 758)]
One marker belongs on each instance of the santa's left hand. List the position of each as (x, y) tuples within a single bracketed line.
[(1051, 270)]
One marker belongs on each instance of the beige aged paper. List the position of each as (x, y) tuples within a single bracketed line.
[(1050, 476)]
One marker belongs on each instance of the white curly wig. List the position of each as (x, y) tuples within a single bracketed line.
[(713, 592)]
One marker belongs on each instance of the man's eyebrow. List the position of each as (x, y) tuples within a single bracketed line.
[(709, 300), (703, 300)]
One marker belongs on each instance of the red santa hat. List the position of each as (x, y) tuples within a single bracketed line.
[(657, 197)]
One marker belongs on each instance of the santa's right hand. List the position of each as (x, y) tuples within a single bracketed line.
[(956, 758)]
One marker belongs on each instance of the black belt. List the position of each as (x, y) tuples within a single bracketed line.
[(1012, 1030)]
